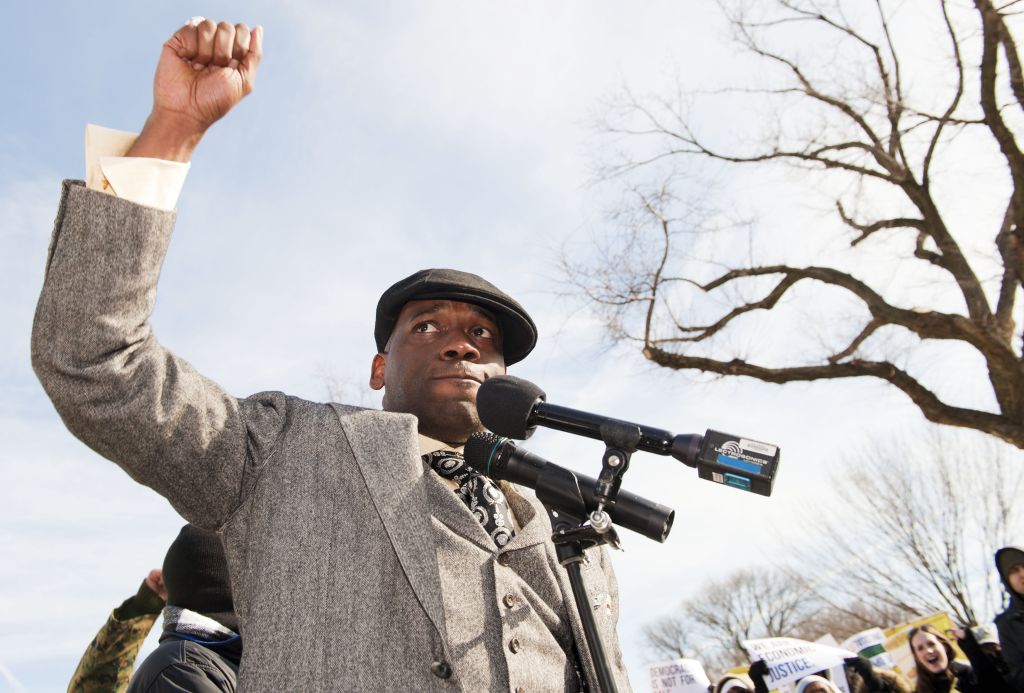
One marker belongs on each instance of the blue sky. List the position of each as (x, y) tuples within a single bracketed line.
[(381, 138)]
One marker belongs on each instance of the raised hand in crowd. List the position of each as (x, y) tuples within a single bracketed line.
[(865, 678), (987, 672), (757, 672), (155, 582)]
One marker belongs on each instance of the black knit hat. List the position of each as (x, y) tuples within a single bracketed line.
[(196, 576), (518, 333), (1006, 558)]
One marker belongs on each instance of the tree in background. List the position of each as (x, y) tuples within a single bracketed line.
[(756, 602), (912, 528), (906, 118)]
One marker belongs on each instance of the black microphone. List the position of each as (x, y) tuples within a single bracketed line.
[(514, 407), (561, 488)]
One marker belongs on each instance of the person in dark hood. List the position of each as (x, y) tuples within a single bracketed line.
[(1010, 623), (200, 648)]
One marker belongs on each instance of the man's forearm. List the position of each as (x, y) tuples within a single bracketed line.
[(168, 136)]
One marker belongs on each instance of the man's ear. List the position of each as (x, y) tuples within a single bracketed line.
[(377, 372)]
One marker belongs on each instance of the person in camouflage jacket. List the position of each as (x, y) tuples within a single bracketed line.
[(106, 666)]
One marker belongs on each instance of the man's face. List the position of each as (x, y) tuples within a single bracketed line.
[(1015, 576), (439, 353)]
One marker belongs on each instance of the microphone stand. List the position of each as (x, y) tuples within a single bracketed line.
[(572, 534)]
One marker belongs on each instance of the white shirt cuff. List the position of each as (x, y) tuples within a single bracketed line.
[(151, 182)]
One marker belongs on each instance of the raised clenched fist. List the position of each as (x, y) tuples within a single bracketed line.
[(205, 69)]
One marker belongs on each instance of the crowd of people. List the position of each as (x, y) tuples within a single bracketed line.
[(995, 654)]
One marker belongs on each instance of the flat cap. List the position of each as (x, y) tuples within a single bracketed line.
[(518, 333)]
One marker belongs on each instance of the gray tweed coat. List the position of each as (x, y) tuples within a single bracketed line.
[(351, 568)]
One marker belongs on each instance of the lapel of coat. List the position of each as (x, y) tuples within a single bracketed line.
[(535, 527), (451, 511), (385, 449)]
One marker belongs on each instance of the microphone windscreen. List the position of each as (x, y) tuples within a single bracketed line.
[(505, 403), (480, 449)]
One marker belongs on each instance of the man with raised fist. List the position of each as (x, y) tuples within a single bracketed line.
[(363, 553)]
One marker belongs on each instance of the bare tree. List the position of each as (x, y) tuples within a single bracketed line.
[(751, 603), (914, 529), (864, 123)]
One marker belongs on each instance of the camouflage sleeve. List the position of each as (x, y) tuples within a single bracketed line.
[(107, 663)]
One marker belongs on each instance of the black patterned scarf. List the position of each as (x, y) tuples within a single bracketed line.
[(481, 495)]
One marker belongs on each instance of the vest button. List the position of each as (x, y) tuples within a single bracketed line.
[(520, 689), (440, 669), (509, 600), (513, 645)]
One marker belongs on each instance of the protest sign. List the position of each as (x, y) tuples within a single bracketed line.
[(870, 644), (837, 674), (678, 676), (790, 659)]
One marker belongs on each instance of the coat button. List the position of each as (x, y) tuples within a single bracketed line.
[(503, 559), (520, 689), (513, 645), (440, 669), (510, 600)]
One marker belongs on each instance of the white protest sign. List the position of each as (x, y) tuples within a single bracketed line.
[(837, 674), (790, 659), (870, 644), (678, 676)]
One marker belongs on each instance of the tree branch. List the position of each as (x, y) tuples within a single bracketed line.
[(930, 405), (866, 230), (946, 118)]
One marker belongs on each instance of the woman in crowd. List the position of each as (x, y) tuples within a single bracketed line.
[(936, 670)]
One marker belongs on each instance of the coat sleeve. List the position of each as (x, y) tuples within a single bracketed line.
[(1011, 637), (985, 677), (107, 663), (115, 387)]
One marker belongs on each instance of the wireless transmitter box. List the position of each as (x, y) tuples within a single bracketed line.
[(738, 462)]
